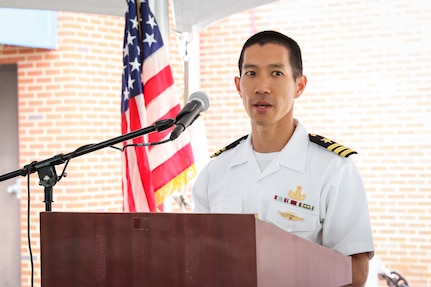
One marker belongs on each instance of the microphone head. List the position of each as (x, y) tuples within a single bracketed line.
[(202, 98)]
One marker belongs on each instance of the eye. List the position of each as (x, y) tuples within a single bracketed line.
[(250, 73), (277, 73)]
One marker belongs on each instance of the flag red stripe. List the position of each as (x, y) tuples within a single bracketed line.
[(158, 84), (156, 137), (141, 156), (172, 167), (130, 197), (127, 190)]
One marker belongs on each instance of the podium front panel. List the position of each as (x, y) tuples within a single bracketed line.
[(147, 249)]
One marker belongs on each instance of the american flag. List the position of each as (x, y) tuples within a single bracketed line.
[(150, 174)]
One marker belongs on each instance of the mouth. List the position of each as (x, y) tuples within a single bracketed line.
[(262, 106), (262, 103)]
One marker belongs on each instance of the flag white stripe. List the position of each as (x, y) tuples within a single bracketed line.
[(162, 104), (161, 153), (154, 64)]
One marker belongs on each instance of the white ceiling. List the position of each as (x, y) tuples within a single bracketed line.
[(106, 7), (189, 14)]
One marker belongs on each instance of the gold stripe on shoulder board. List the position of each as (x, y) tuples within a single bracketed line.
[(331, 145), (229, 146)]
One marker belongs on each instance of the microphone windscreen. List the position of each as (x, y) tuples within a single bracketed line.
[(202, 98)]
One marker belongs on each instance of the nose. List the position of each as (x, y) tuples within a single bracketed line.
[(262, 85)]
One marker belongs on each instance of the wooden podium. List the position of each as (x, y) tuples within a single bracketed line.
[(181, 249)]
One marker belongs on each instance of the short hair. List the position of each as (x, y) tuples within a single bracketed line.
[(273, 37)]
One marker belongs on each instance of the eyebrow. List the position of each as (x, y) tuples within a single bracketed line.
[(274, 65)]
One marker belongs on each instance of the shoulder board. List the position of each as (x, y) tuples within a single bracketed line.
[(331, 145), (229, 146)]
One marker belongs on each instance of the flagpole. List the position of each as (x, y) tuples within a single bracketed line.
[(186, 60), (161, 12)]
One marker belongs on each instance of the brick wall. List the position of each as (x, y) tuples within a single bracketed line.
[(70, 97), (368, 70)]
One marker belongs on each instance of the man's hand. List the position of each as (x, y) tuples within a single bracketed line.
[(359, 269)]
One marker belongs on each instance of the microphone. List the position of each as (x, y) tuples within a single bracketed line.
[(198, 102)]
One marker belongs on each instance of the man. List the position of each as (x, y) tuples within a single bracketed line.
[(303, 183)]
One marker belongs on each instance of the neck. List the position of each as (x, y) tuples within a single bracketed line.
[(266, 139)]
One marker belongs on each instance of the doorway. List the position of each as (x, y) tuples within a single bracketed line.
[(10, 255)]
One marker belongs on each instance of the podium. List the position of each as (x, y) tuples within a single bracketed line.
[(180, 249)]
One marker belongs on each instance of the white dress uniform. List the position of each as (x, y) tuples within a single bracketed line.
[(305, 189)]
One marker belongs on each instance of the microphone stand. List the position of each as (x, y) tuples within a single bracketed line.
[(46, 168)]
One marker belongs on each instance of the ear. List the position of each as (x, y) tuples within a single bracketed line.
[(301, 82), (237, 84)]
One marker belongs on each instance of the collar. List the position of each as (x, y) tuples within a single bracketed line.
[(292, 156)]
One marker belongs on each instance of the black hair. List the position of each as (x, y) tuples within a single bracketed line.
[(273, 37)]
